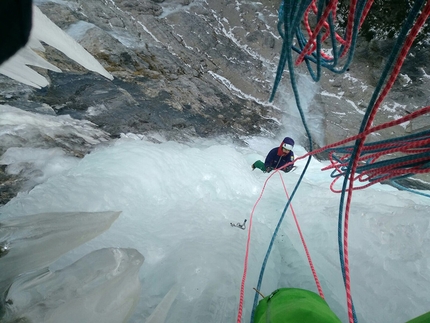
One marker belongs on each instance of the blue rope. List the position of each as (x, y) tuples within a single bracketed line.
[(389, 65), (330, 64), (287, 56), (407, 161), (403, 188), (290, 16), (296, 14), (290, 13)]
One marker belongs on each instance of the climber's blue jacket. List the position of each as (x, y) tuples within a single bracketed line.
[(276, 158)]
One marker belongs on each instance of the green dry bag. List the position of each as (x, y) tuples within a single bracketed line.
[(294, 305), (425, 318)]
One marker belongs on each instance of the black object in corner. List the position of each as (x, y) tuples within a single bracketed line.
[(15, 26)]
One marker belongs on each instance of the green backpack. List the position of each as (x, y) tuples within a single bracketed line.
[(294, 305)]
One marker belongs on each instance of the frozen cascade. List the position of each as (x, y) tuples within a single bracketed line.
[(160, 313), (23, 128), (35, 241), (100, 287), (178, 201)]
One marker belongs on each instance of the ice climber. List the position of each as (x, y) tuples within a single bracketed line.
[(278, 157)]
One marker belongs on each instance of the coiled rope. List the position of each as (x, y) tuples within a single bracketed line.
[(337, 146), (372, 171)]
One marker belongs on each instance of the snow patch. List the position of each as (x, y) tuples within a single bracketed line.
[(405, 79), (329, 94), (237, 91), (78, 30), (427, 76)]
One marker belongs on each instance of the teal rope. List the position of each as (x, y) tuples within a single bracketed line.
[(297, 10), (394, 54), (403, 188), (287, 55), (290, 15), (405, 162)]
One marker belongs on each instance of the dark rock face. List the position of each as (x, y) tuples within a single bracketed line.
[(214, 63), (9, 186), (210, 68), (121, 106), (180, 70)]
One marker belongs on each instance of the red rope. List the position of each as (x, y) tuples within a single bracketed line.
[(311, 45), (242, 286), (245, 265), (405, 147), (367, 132), (349, 27), (391, 170), (405, 49), (409, 147), (308, 255)]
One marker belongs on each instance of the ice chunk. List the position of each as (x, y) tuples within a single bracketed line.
[(103, 287), (45, 30), (160, 313), (17, 69), (34, 241), (19, 128), (27, 162)]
